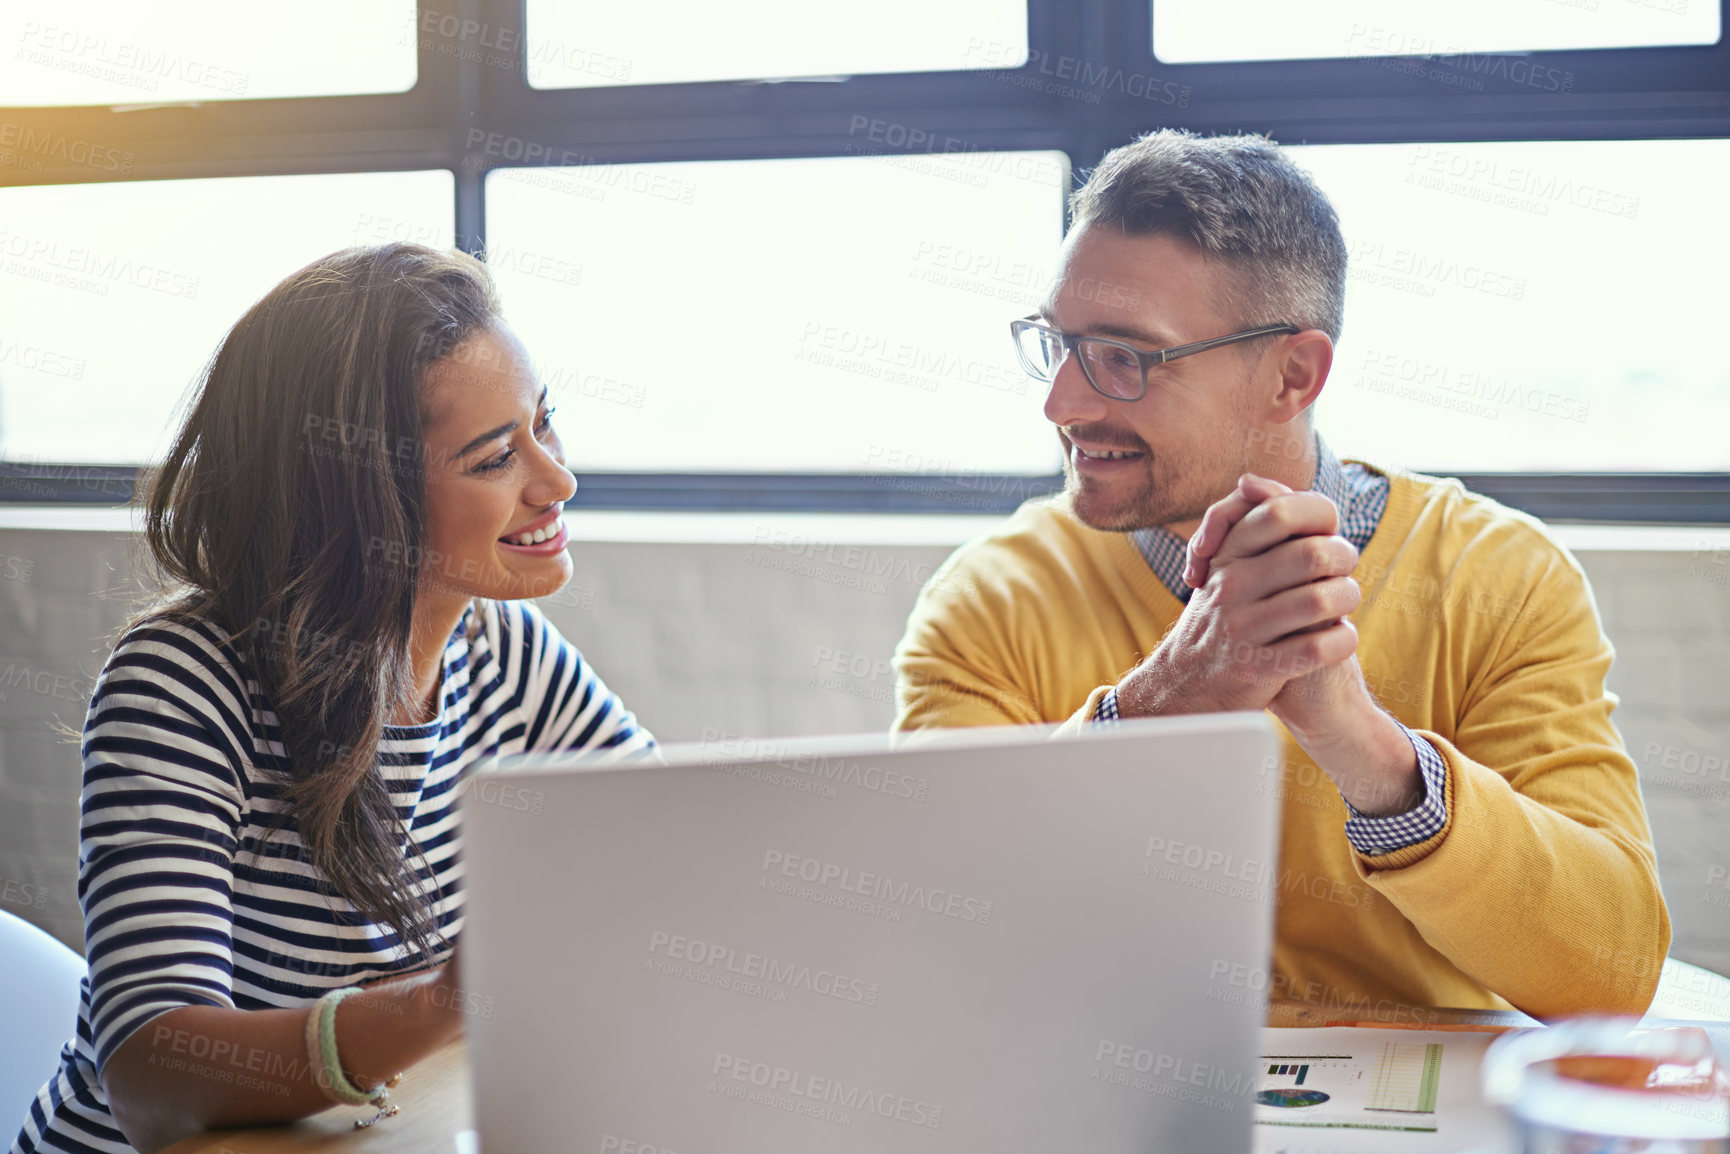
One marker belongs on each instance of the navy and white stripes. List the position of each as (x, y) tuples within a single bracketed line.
[(185, 899)]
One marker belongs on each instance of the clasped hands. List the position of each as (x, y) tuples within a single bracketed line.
[(1268, 627)]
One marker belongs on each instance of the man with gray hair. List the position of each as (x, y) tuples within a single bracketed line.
[(1461, 824)]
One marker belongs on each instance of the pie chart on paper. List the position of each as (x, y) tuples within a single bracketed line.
[(1289, 1099)]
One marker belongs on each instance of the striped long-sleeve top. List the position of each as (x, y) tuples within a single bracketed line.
[(186, 903)]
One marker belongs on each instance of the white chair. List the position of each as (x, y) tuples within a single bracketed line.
[(1689, 992), (39, 980)]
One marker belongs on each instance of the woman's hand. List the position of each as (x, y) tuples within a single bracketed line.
[(200, 1067)]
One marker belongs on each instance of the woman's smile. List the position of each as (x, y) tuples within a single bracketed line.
[(541, 538)]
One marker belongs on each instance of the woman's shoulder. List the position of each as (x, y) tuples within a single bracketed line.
[(176, 641), (184, 659), (512, 626), (176, 691), (565, 703)]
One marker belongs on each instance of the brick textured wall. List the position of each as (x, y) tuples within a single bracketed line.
[(792, 637)]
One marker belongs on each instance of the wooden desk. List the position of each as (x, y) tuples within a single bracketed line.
[(433, 1096)]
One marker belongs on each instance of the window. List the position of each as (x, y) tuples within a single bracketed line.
[(1551, 314), (1192, 31), (133, 52), (843, 314), (114, 296), (765, 251), (591, 43)]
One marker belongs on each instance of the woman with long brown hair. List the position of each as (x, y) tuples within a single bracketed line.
[(366, 487)]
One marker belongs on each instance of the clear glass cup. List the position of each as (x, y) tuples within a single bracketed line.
[(1603, 1086)]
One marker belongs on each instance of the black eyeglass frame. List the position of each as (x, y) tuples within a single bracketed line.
[(1072, 341)]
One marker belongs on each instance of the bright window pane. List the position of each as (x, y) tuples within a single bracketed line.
[(144, 51), (114, 296), (591, 43), (836, 315), (1531, 306), (1186, 31)]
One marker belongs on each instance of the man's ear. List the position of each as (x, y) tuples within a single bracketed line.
[(1305, 360)]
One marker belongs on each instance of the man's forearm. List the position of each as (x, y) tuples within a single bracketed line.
[(1370, 758)]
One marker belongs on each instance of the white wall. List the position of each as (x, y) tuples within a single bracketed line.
[(784, 626)]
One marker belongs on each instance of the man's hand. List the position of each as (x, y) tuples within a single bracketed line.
[(1319, 699), (1272, 589), (1267, 628)]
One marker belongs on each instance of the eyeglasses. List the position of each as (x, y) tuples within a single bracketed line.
[(1112, 367)]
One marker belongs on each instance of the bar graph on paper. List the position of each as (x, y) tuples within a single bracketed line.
[(1406, 1077), (1380, 1084), (1369, 1089)]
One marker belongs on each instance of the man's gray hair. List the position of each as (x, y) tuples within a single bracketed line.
[(1240, 200)]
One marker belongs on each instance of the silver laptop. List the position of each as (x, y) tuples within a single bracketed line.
[(970, 941)]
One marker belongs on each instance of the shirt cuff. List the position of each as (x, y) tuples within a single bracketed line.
[(1374, 836), (1105, 713)]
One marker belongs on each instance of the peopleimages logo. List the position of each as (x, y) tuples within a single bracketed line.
[(1250, 879), (43, 144), (802, 1088), (820, 767), (1122, 1064), (877, 887), (751, 967)]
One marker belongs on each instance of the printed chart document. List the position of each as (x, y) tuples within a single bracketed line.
[(1340, 1091)]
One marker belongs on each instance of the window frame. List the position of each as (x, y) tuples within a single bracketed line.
[(1617, 94)]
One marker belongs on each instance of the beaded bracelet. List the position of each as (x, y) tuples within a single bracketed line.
[(327, 1065)]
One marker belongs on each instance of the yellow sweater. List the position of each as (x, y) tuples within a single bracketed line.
[(1478, 631)]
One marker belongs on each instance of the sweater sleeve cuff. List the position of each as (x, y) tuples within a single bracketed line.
[(1089, 713), (1379, 836)]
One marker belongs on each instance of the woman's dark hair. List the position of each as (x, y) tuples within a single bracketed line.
[(291, 512)]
